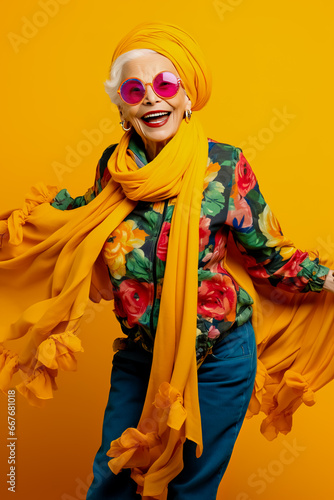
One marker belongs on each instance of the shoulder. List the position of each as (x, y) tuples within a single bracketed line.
[(103, 176), (223, 153), (103, 162), (224, 158), (231, 165)]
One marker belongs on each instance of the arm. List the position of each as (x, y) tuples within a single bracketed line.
[(64, 201), (267, 254), (100, 287)]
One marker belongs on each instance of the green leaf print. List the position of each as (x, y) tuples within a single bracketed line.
[(213, 199), (146, 317), (244, 298), (252, 239), (204, 274), (150, 221), (257, 201), (139, 265)]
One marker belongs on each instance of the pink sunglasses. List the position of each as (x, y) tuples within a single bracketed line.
[(165, 85)]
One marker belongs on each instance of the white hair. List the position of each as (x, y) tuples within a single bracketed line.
[(111, 86)]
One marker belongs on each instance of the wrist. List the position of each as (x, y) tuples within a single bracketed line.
[(329, 281)]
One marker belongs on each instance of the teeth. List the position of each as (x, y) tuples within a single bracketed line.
[(155, 115)]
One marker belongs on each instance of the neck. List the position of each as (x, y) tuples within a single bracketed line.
[(152, 149)]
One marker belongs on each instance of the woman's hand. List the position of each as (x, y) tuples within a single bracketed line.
[(329, 282)]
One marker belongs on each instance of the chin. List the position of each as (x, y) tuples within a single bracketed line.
[(160, 135)]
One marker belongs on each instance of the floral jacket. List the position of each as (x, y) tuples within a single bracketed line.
[(136, 251)]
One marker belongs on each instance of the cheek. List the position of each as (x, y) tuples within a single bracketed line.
[(129, 113), (138, 126), (178, 114), (180, 107)]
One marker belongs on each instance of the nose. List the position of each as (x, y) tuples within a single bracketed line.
[(150, 97)]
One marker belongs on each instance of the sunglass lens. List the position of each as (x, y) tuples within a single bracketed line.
[(166, 84), (132, 91)]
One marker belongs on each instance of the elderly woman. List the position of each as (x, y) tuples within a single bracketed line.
[(152, 234)]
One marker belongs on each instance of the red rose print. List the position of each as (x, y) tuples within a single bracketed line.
[(255, 269), (213, 332), (292, 267), (204, 232), (215, 258), (244, 176), (132, 300), (297, 285), (163, 241), (217, 298), (241, 216)]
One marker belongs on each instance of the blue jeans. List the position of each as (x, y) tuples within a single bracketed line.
[(225, 384)]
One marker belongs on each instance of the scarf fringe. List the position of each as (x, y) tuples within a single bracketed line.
[(12, 227), (56, 352)]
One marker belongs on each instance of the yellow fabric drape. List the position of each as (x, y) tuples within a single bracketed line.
[(295, 343), (54, 256)]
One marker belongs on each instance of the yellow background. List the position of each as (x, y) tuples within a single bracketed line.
[(266, 56)]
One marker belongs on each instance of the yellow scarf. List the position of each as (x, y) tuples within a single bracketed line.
[(156, 446), (55, 255)]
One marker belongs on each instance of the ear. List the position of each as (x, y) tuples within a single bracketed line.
[(188, 104)]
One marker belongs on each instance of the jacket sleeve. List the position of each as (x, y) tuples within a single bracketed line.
[(267, 253), (63, 199)]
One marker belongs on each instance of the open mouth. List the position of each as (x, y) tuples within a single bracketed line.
[(156, 119)]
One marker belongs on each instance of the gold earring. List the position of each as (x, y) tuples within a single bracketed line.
[(123, 127)]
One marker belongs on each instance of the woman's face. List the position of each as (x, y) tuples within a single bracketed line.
[(157, 130)]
